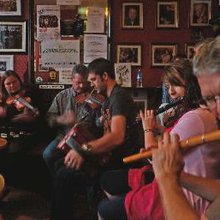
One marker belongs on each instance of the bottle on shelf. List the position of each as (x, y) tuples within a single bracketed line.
[(139, 79)]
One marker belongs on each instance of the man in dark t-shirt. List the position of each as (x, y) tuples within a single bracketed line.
[(118, 141)]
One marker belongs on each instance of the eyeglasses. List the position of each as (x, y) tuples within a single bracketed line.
[(210, 100)]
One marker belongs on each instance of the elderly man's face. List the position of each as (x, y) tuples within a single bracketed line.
[(210, 87)]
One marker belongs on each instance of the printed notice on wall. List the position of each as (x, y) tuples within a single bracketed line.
[(95, 46), (68, 2), (60, 53), (123, 74), (65, 75), (48, 22), (95, 20)]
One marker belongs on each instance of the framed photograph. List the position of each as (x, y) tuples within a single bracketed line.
[(129, 54), (140, 104), (10, 8), (190, 51), (162, 54), (6, 63), (200, 12), (132, 15), (167, 14), (13, 36)]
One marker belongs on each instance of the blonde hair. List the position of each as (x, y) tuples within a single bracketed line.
[(207, 57)]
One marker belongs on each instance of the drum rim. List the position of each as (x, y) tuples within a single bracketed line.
[(3, 143)]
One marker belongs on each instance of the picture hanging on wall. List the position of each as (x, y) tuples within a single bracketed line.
[(190, 51), (129, 54), (162, 54), (10, 8), (132, 15), (13, 36), (167, 14), (6, 63), (200, 12)]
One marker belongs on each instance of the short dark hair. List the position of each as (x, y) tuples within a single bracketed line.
[(101, 65), (80, 69)]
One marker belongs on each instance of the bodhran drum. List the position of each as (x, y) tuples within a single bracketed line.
[(3, 143), (2, 185)]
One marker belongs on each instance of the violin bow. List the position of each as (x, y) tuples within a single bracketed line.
[(26, 104)]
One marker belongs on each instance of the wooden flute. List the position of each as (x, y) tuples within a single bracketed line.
[(188, 143)]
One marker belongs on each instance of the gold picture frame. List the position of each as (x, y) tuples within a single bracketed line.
[(13, 36), (132, 15), (129, 54), (162, 54), (167, 14), (200, 13)]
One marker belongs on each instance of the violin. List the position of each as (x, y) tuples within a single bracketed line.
[(94, 100), (20, 102)]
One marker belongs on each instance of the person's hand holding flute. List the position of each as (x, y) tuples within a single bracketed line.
[(190, 142)]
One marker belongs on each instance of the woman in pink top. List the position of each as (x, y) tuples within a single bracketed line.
[(142, 200)]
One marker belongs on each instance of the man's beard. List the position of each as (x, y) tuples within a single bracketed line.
[(103, 91)]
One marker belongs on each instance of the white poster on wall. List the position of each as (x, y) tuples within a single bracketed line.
[(95, 20), (48, 22), (95, 46), (65, 75), (123, 74), (60, 53), (68, 2)]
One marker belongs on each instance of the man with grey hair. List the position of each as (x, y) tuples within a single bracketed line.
[(206, 66), (65, 111)]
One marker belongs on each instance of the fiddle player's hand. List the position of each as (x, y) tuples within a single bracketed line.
[(73, 160), (67, 118), (148, 119), (25, 116), (167, 158)]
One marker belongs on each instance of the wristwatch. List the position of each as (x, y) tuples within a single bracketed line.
[(87, 147)]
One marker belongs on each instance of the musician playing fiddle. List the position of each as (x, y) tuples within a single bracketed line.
[(186, 120), (68, 108), (12, 90), (119, 139), (17, 110)]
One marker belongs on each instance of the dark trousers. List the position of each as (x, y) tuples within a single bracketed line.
[(67, 183), (115, 183)]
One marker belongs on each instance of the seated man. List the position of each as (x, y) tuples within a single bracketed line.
[(68, 109), (73, 175)]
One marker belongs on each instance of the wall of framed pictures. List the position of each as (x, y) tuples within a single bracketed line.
[(67, 33), (14, 36), (160, 29)]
